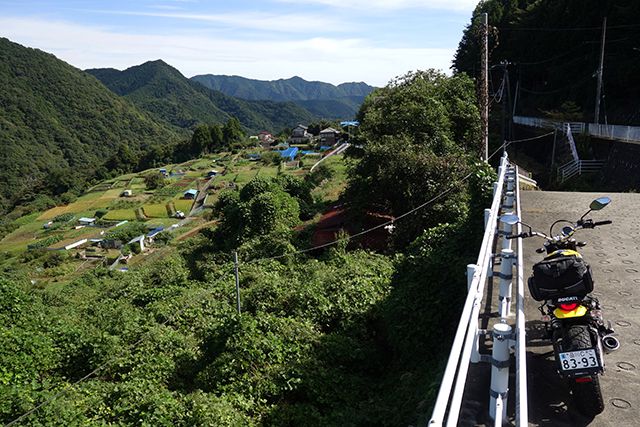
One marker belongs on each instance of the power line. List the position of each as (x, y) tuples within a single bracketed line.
[(567, 28), (131, 347), (390, 222)]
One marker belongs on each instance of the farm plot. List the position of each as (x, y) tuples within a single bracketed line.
[(155, 210), (121, 215)]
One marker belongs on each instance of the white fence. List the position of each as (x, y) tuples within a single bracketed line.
[(618, 133), (614, 132), (579, 167), (464, 349)]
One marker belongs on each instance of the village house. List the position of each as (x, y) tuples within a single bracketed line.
[(329, 136), (300, 135), (266, 139)]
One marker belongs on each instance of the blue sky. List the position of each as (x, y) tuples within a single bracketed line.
[(329, 40)]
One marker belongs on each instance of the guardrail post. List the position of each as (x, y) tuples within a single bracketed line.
[(500, 370), (487, 216), (472, 270), (506, 280)]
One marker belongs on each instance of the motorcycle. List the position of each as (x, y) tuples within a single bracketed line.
[(562, 281)]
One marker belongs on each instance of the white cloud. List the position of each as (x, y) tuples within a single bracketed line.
[(327, 59), (364, 5), (285, 23)]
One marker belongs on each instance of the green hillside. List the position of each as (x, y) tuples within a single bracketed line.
[(553, 47), (165, 93), (60, 126), (322, 99)]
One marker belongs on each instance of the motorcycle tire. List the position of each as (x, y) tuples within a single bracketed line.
[(587, 396)]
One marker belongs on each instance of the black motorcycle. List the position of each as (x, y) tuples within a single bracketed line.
[(563, 282)]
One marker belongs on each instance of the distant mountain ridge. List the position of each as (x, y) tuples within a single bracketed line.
[(164, 92), (322, 99), (292, 89)]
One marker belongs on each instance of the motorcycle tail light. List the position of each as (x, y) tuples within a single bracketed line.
[(568, 307), (584, 380)]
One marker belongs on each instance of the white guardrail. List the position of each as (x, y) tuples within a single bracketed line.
[(614, 132), (464, 349)]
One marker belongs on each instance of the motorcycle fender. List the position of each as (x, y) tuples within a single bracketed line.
[(579, 311)]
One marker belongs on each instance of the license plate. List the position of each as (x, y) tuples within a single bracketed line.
[(579, 359)]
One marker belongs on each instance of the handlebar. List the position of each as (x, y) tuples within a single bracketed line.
[(595, 224)]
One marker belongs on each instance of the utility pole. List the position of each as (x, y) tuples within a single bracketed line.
[(484, 87), (599, 89)]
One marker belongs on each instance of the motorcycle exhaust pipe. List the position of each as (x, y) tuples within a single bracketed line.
[(610, 343)]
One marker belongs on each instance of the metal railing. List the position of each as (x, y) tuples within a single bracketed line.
[(614, 132), (579, 167), (464, 349)]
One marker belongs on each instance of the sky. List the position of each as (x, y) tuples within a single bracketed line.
[(334, 41)]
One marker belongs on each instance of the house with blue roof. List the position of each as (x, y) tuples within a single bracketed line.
[(190, 194)]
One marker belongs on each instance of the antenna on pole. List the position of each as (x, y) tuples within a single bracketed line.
[(484, 87), (600, 69)]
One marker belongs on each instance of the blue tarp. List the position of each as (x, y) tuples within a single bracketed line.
[(289, 153), (350, 123)]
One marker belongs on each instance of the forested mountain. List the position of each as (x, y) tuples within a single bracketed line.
[(322, 99), (165, 93), (60, 126), (553, 47)]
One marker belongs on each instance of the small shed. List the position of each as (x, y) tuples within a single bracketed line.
[(163, 171), (87, 221), (190, 194), (212, 173), (153, 233), (138, 240), (127, 193), (75, 244)]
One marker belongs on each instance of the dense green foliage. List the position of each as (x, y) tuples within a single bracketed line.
[(60, 127), (554, 49), (321, 99), (325, 338), (420, 138), (165, 93)]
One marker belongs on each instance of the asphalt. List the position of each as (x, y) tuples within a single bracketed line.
[(614, 254)]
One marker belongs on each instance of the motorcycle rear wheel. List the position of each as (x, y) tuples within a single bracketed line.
[(587, 395)]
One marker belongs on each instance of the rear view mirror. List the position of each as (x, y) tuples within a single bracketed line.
[(510, 219), (599, 203)]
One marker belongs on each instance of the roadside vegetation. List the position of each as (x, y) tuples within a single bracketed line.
[(334, 336)]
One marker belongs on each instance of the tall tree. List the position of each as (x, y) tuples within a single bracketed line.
[(232, 131)]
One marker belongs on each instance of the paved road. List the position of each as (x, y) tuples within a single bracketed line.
[(614, 254)]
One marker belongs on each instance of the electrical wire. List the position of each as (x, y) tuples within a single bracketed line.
[(178, 313), (390, 222), (609, 27), (131, 347)]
